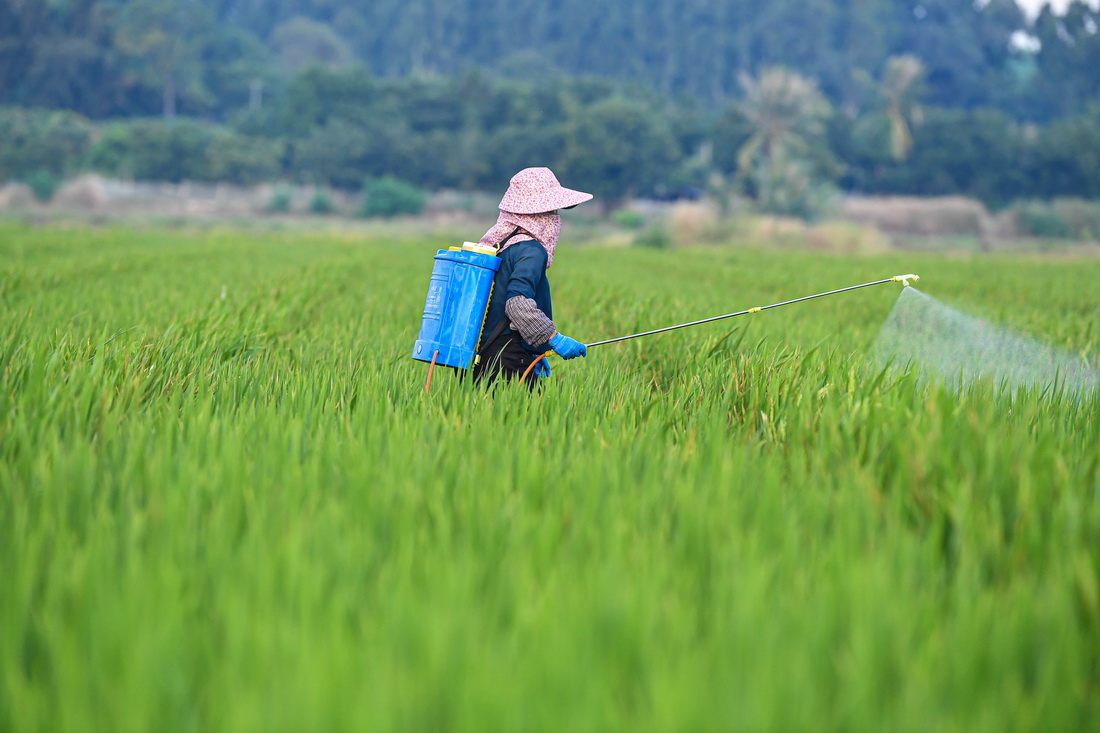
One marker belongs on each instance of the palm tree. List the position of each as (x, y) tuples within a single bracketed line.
[(899, 89), (787, 115), (781, 157)]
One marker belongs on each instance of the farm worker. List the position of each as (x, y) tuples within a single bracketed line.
[(519, 325)]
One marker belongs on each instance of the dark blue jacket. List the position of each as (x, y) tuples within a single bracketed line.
[(522, 272)]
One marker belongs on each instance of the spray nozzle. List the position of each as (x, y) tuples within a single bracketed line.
[(904, 279)]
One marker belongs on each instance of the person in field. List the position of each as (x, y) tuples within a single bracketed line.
[(519, 324)]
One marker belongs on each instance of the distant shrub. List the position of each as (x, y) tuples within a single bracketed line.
[(321, 203), (43, 184), (388, 196), (1083, 217), (280, 200), (1038, 219), (788, 189), (34, 141), (656, 237), (177, 150), (242, 160), (154, 150), (628, 219)]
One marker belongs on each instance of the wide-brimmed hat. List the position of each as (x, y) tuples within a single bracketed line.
[(536, 191)]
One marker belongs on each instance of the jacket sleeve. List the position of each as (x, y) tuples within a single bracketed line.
[(528, 319)]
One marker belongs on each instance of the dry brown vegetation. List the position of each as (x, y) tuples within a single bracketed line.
[(859, 224), (949, 216)]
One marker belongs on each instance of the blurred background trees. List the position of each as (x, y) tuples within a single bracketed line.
[(784, 101), (783, 163)]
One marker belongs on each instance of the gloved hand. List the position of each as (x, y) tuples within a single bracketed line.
[(542, 367), (567, 348)]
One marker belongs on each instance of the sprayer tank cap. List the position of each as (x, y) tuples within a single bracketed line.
[(485, 249)]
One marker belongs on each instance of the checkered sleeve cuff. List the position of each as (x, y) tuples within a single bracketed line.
[(526, 318)]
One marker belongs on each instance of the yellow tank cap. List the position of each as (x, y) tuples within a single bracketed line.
[(485, 249)]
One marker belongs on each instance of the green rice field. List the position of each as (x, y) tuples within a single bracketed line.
[(227, 503)]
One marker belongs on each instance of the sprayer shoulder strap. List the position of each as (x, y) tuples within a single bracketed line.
[(500, 245), (502, 324)]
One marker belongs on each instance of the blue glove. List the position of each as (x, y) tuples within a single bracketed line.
[(567, 348), (542, 368)]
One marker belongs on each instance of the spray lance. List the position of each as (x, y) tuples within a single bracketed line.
[(903, 279), (458, 300)]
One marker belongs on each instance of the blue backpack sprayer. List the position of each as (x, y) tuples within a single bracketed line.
[(454, 312), (458, 299)]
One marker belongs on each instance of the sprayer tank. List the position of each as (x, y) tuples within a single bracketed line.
[(454, 313)]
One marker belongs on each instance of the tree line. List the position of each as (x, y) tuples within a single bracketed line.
[(778, 99), (107, 58), (339, 128)]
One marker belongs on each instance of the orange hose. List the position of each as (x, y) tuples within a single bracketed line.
[(431, 367), (530, 367)]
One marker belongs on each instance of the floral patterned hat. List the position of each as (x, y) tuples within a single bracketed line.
[(536, 191)]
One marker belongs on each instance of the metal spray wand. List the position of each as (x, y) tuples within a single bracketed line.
[(903, 279)]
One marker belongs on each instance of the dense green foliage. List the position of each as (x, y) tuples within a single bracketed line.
[(339, 128), (388, 196), (39, 140), (321, 202), (228, 504), (639, 98), (126, 57), (181, 149)]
